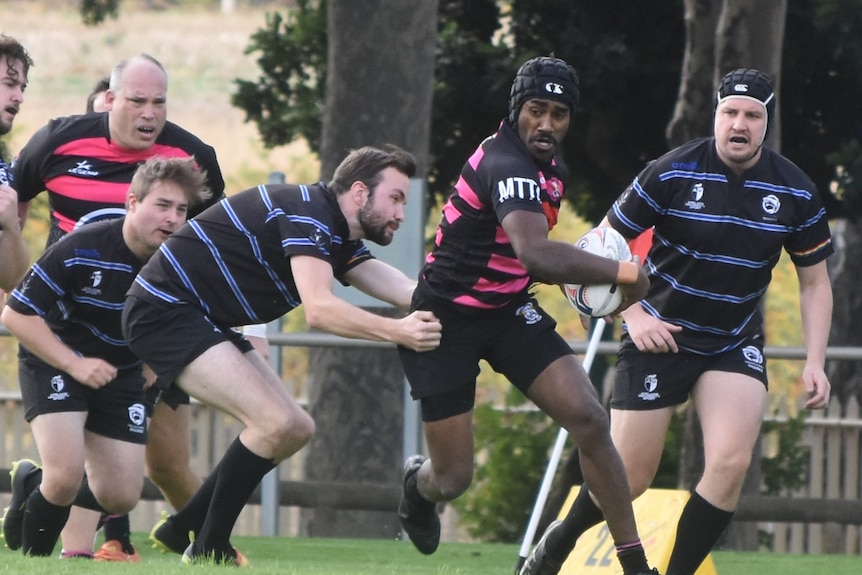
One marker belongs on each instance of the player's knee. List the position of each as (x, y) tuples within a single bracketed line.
[(61, 486), (455, 482), (291, 433), (638, 483), (590, 427), (731, 467), (162, 473)]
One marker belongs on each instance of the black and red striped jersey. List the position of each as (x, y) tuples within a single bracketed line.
[(472, 263), (74, 159)]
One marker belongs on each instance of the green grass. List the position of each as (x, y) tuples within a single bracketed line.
[(305, 556)]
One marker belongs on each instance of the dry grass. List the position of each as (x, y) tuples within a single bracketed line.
[(203, 52)]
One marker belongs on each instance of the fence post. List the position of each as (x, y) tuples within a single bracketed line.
[(269, 500)]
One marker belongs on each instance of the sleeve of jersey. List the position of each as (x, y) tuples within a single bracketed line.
[(811, 243), (637, 209), (27, 167), (42, 287), (356, 253), (215, 180)]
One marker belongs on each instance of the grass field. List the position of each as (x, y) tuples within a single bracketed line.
[(286, 556)]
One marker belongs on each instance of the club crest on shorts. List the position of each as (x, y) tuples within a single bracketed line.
[(650, 386), (529, 313), (753, 358)]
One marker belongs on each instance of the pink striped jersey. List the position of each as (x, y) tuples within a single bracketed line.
[(472, 263)]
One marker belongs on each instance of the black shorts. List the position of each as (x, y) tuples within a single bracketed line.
[(172, 396), (168, 338), (117, 410), (518, 341), (645, 381)]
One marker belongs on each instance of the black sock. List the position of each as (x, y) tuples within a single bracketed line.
[(86, 499), (700, 526), (191, 516), (633, 558), (239, 473), (411, 492), (583, 514), (43, 522), (117, 527)]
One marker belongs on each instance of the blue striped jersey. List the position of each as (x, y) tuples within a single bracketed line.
[(717, 237), (233, 260)]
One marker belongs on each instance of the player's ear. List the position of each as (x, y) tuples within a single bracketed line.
[(359, 192), (131, 202)]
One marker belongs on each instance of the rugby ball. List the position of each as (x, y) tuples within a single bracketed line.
[(601, 299)]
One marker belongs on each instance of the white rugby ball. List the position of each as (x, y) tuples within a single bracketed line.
[(599, 300)]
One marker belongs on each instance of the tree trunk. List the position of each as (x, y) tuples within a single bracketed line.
[(750, 34), (846, 275), (692, 116), (380, 71)]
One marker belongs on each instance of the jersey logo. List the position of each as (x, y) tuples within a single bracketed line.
[(771, 204), (83, 169), (695, 202), (6, 177)]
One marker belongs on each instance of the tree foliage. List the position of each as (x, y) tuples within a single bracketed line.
[(286, 99), (629, 61), (94, 12)]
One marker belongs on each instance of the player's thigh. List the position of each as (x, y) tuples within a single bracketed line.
[(564, 391), (224, 378), (730, 408), (639, 437)]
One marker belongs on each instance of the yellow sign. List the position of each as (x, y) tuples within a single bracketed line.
[(657, 512)]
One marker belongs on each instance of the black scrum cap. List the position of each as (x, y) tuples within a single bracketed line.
[(547, 78)]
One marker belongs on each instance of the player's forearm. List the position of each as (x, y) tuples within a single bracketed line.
[(816, 309), (14, 258), (341, 318), (37, 337)]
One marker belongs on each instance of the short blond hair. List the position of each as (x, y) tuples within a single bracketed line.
[(184, 172)]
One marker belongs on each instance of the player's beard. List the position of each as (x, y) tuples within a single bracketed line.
[(374, 227)]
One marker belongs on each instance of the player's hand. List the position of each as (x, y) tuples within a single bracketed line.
[(93, 372), (8, 208), (149, 376), (816, 386), (421, 331), (649, 333), (633, 293)]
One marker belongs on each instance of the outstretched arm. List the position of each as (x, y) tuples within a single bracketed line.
[(324, 310), (382, 281)]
